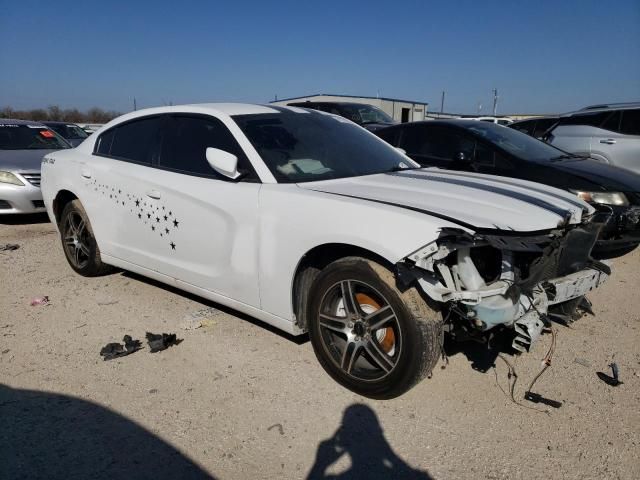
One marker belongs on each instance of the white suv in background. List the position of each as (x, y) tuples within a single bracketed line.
[(609, 133)]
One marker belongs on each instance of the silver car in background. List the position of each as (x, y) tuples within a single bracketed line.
[(22, 146), (608, 133)]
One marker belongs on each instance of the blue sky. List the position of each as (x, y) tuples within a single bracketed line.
[(542, 56)]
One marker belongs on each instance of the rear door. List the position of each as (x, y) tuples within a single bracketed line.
[(116, 189), (618, 139), (201, 228)]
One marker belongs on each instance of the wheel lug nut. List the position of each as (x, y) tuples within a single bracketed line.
[(350, 324)]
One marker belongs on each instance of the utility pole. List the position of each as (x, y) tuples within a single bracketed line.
[(442, 102), (134, 104), (495, 101)]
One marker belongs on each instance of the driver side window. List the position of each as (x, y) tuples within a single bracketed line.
[(186, 139)]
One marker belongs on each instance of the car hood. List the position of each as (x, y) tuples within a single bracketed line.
[(602, 175), (22, 160), (475, 201)]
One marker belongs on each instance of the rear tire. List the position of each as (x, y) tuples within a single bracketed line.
[(78, 242), (369, 336)]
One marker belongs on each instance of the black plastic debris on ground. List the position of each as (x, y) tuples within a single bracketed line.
[(614, 379), (6, 247), (158, 342), (116, 350), (537, 398)]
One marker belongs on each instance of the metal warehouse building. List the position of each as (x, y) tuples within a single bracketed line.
[(400, 110)]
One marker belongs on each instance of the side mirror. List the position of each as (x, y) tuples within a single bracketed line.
[(401, 150), (224, 163)]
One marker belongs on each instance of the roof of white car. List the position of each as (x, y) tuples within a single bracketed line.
[(234, 108)]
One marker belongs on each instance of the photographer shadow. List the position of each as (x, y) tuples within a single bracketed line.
[(360, 436)]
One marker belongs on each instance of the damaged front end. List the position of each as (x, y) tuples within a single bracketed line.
[(494, 278)]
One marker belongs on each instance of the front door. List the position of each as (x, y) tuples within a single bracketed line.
[(202, 227)]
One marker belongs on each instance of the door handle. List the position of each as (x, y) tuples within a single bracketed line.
[(85, 173), (153, 194), (608, 141)]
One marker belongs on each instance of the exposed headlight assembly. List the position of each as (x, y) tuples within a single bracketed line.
[(8, 177), (605, 198)]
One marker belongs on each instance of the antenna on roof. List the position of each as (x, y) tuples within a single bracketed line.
[(134, 104), (276, 98)]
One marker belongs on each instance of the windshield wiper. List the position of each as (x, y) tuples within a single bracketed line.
[(398, 168)]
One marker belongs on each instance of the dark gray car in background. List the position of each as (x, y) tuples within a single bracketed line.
[(22, 146), (71, 132)]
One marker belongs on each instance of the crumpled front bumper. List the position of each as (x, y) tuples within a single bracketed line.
[(536, 272)]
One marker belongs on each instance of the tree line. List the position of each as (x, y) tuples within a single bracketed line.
[(55, 113)]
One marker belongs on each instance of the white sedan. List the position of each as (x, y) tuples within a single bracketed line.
[(308, 222)]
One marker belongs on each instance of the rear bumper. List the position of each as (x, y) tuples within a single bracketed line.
[(17, 199)]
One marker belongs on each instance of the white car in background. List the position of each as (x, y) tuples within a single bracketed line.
[(308, 222)]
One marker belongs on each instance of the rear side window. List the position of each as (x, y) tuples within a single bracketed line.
[(136, 141), (437, 142), (630, 122), (186, 140), (613, 122), (588, 119)]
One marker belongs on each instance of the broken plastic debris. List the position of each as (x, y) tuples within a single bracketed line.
[(200, 318), (9, 246), (115, 350), (158, 342), (40, 301), (613, 380)]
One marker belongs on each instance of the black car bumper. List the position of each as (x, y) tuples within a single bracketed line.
[(620, 235)]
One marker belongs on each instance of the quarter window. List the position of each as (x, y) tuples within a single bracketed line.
[(186, 141)]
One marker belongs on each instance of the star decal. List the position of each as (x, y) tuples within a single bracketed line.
[(137, 203), (173, 246), (165, 217), (166, 230), (157, 220), (148, 215), (153, 227), (175, 223)]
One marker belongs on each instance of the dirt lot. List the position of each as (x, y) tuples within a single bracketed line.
[(236, 399)]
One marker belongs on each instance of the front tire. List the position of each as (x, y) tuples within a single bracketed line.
[(79, 243), (369, 336)]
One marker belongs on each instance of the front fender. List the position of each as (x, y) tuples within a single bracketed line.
[(294, 221)]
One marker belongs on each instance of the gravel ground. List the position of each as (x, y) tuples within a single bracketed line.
[(236, 399)]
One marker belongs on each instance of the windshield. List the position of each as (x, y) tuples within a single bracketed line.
[(516, 143), (304, 147), (364, 114), (29, 137), (71, 132)]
